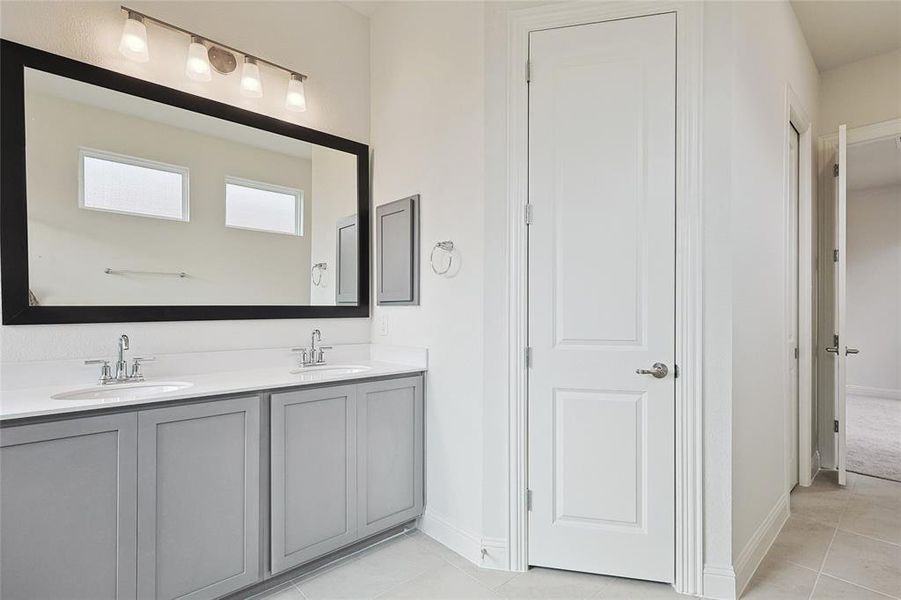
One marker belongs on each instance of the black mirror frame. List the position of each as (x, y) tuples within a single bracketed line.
[(14, 200)]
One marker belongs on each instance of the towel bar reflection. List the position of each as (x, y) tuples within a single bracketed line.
[(448, 247), (111, 271)]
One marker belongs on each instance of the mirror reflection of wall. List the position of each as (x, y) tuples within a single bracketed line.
[(131, 202), (337, 196)]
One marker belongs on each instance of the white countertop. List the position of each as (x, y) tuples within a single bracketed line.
[(32, 401)]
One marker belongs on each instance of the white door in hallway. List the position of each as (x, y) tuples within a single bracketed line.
[(792, 342), (601, 297), (839, 347)]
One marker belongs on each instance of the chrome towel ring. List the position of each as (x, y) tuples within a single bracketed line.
[(448, 247)]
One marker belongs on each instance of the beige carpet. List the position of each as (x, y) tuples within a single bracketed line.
[(874, 436)]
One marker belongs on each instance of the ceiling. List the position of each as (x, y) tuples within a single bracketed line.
[(845, 31), (874, 164)]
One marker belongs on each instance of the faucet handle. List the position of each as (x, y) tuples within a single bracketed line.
[(136, 363), (320, 358), (303, 354), (105, 374)]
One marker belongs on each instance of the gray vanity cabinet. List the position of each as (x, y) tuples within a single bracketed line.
[(389, 453), (313, 466), (198, 499), (67, 509), (165, 503)]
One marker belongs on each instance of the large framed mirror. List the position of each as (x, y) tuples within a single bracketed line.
[(124, 200)]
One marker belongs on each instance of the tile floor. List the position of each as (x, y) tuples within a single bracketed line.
[(838, 543)]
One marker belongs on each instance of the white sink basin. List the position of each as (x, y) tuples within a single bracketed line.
[(121, 392), (328, 371)]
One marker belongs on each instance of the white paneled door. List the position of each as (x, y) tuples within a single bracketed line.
[(602, 140), (793, 347), (839, 347)]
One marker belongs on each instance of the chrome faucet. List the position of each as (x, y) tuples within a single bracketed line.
[(121, 364), (313, 355), (122, 374)]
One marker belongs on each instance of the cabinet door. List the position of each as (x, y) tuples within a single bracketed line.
[(67, 509), (198, 499), (389, 453), (313, 462), (397, 251)]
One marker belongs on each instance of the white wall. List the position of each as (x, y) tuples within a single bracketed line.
[(428, 138), (874, 288), (768, 52), (325, 40), (718, 84), (860, 93)]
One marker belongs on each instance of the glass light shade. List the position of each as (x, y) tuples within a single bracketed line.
[(251, 85), (197, 66), (133, 44), (295, 99)]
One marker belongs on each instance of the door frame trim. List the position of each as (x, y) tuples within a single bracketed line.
[(689, 560), (797, 115), (826, 156)]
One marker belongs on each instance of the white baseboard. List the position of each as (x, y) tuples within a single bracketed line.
[(496, 556), (438, 527), (749, 558), (873, 392), (719, 582)]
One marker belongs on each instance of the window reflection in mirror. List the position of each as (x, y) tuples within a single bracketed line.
[(132, 202)]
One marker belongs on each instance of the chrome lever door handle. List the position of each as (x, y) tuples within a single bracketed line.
[(851, 351), (832, 349), (657, 370)]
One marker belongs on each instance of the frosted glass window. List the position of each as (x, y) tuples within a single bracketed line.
[(133, 186), (263, 207)]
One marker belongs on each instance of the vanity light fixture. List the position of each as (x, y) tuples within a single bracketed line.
[(197, 66), (206, 55), (251, 85), (295, 99), (133, 44)]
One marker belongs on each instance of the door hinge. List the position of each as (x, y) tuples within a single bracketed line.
[(528, 357), (528, 71), (529, 500), (835, 170), (835, 426), (796, 353), (529, 213), (835, 255)]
